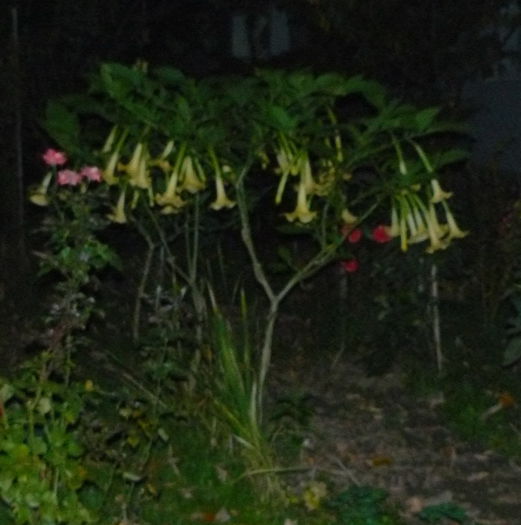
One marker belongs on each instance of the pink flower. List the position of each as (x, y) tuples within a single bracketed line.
[(381, 234), (91, 173), (350, 265), (54, 157), (68, 178), (354, 236)]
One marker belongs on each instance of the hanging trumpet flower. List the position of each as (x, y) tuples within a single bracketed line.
[(169, 146), (118, 212), (289, 160), (136, 169), (221, 199), (417, 226), (436, 232), (401, 226), (39, 196), (109, 172), (307, 177), (169, 210), (394, 230), (170, 197), (190, 178), (438, 194), (413, 221), (109, 142), (454, 231), (302, 213), (285, 169)]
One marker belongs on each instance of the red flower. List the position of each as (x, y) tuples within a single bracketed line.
[(381, 234), (354, 236), (350, 265), (54, 157)]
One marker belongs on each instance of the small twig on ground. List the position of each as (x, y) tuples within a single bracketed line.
[(344, 470)]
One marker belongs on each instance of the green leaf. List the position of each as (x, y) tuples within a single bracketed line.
[(435, 513), (373, 92), (331, 83), (44, 405), (74, 448), (119, 80), (39, 446), (451, 156), (63, 126), (426, 117), (6, 392), (279, 118), (170, 75)]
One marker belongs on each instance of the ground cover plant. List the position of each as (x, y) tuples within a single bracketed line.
[(282, 172)]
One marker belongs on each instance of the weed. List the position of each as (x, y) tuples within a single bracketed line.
[(360, 505)]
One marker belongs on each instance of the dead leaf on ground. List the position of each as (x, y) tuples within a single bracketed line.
[(478, 476), (221, 516), (380, 461)]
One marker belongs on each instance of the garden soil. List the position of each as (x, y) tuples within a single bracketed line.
[(372, 431)]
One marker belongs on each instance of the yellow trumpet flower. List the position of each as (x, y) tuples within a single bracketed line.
[(265, 160), (438, 194), (302, 213), (110, 140), (143, 176), (402, 227), (190, 179), (221, 199), (420, 232), (170, 196), (454, 230), (326, 181), (441, 229), (137, 167), (283, 162), (394, 230), (169, 210), (39, 196), (118, 212), (399, 212), (435, 232), (109, 173), (169, 146), (307, 176), (348, 217), (162, 164)]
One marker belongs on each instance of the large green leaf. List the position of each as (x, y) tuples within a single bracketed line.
[(373, 92), (63, 126), (279, 118), (425, 118)]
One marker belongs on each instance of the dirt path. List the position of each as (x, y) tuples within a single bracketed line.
[(370, 431)]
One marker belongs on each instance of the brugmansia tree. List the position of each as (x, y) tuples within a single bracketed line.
[(327, 152)]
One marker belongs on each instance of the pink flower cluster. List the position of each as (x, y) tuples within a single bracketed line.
[(352, 235), (67, 177), (54, 157)]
